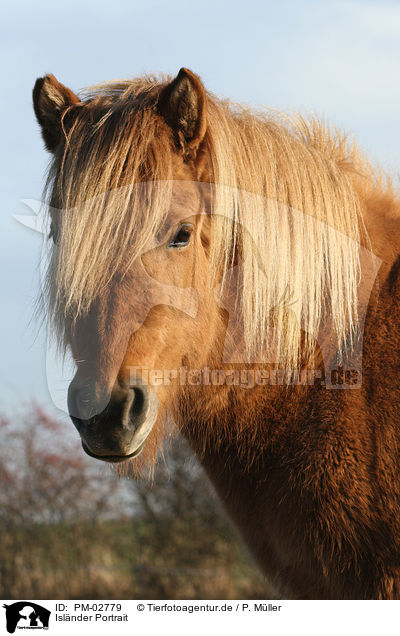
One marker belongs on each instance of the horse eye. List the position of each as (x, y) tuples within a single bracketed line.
[(182, 236)]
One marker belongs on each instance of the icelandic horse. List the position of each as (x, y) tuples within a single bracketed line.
[(197, 244)]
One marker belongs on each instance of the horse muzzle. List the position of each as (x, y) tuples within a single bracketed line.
[(115, 432)]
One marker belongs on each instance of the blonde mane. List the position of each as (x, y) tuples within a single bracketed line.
[(285, 186)]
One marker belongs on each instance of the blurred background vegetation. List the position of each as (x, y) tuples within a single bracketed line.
[(66, 533)]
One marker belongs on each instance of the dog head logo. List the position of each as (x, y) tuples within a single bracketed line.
[(26, 615)]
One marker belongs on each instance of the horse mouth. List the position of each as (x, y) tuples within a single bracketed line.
[(114, 459)]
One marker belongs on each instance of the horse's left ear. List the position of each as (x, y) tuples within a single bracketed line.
[(182, 103)]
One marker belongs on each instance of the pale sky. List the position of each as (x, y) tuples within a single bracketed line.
[(338, 59)]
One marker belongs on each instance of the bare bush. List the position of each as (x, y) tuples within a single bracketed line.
[(71, 529)]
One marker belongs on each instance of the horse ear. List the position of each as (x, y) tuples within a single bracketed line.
[(50, 101), (182, 103)]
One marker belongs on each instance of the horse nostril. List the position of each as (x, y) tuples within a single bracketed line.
[(139, 406), (75, 412), (138, 403), (79, 424), (85, 403)]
